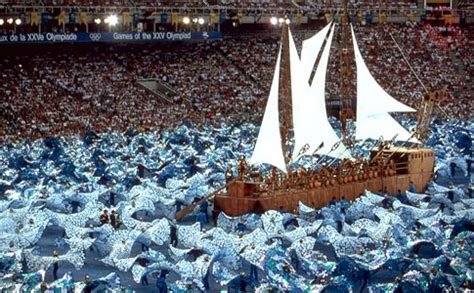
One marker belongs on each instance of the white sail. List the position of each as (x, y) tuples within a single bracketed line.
[(299, 94), (374, 104), (317, 129), (310, 51), (381, 125), (268, 149)]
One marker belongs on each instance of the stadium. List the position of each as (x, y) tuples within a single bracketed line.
[(236, 146)]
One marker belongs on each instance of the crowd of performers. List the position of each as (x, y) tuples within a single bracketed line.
[(136, 174), (197, 254)]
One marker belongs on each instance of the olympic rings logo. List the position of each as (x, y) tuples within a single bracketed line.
[(95, 36)]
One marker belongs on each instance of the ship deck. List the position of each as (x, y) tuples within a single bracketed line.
[(242, 198)]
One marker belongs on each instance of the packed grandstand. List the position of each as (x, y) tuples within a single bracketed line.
[(70, 89), (104, 142)]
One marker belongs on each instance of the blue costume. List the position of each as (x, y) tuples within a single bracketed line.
[(201, 217), (75, 206), (253, 272), (55, 270), (161, 285), (401, 197), (412, 187), (203, 206)]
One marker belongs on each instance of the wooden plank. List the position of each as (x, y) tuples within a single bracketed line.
[(180, 214)]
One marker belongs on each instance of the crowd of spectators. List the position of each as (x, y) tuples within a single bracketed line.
[(428, 49), (465, 52), (359, 4), (304, 4), (68, 92), (74, 89), (254, 53), (79, 87), (465, 4)]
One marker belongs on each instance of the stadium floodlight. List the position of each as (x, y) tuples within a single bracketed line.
[(201, 20), (186, 20), (97, 20), (273, 20), (281, 20), (10, 20), (17, 21), (112, 20), (2, 21)]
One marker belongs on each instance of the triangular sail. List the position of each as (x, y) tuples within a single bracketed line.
[(374, 104), (382, 125), (317, 129), (299, 93), (268, 148), (310, 51)]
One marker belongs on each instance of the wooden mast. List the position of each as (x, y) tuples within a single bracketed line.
[(346, 54), (425, 112), (285, 107)]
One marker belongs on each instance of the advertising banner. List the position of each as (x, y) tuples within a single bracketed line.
[(107, 37)]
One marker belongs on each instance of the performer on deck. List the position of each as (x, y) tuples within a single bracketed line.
[(274, 178), (228, 174), (242, 168)]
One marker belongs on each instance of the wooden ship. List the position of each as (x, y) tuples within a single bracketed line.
[(389, 168), (296, 107)]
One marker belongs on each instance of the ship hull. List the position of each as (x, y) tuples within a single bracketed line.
[(243, 197)]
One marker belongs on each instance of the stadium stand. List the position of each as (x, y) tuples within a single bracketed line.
[(75, 89)]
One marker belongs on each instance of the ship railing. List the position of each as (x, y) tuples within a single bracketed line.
[(401, 167)]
